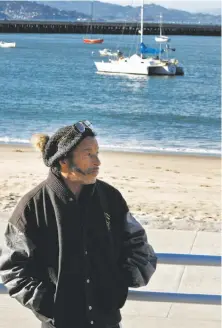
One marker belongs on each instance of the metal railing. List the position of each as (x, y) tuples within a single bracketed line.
[(176, 259), (189, 259), (174, 297), (181, 259)]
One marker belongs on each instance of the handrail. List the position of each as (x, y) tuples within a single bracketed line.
[(174, 297), (189, 259), (175, 259)]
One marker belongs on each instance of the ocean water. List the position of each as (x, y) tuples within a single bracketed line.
[(49, 81)]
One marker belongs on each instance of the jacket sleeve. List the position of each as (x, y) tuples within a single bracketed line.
[(139, 259), (19, 270)]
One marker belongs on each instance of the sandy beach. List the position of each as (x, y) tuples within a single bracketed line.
[(162, 191)]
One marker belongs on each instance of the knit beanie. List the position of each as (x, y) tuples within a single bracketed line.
[(61, 143)]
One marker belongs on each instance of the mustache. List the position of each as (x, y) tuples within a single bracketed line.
[(89, 171)]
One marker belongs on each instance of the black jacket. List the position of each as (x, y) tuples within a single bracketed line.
[(71, 262)]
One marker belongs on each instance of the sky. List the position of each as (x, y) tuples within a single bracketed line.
[(208, 6), (189, 5)]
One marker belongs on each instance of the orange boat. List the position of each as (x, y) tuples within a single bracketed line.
[(93, 41), (90, 39)]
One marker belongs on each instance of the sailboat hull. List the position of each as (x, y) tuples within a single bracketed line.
[(123, 69), (93, 41), (167, 70), (137, 66)]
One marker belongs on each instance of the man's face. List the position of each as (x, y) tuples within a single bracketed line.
[(84, 159)]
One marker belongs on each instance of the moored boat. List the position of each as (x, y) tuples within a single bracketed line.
[(93, 41), (7, 44)]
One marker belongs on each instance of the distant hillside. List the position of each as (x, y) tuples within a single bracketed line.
[(112, 12), (29, 10), (81, 10), (3, 16)]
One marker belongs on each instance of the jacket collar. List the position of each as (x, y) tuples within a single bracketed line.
[(63, 192)]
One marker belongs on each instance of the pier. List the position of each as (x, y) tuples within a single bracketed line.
[(106, 28)]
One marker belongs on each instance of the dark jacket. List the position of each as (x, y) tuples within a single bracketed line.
[(71, 262)]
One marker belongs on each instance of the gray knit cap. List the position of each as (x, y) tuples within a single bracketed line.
[(61, 143)]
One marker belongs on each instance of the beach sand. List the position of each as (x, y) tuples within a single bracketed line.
[(162, 191)]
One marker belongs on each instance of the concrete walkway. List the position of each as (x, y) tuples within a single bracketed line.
[(168, 278)]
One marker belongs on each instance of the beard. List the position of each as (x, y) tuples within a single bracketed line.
[(87, 176), (84, 177)]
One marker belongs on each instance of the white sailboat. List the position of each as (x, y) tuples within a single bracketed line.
[(139, 64), (161, 37), (7, 44)]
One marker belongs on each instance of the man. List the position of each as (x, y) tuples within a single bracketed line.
[(72, 248)]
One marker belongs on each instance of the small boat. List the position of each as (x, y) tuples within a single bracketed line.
[(107, 52), (7, 44), (161, 38), (93, 41)]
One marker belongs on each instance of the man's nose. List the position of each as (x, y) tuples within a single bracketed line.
[(97, 161)]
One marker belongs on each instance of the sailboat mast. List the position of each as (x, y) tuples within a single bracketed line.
[(161, 24), (91, 18), (142, 17)]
